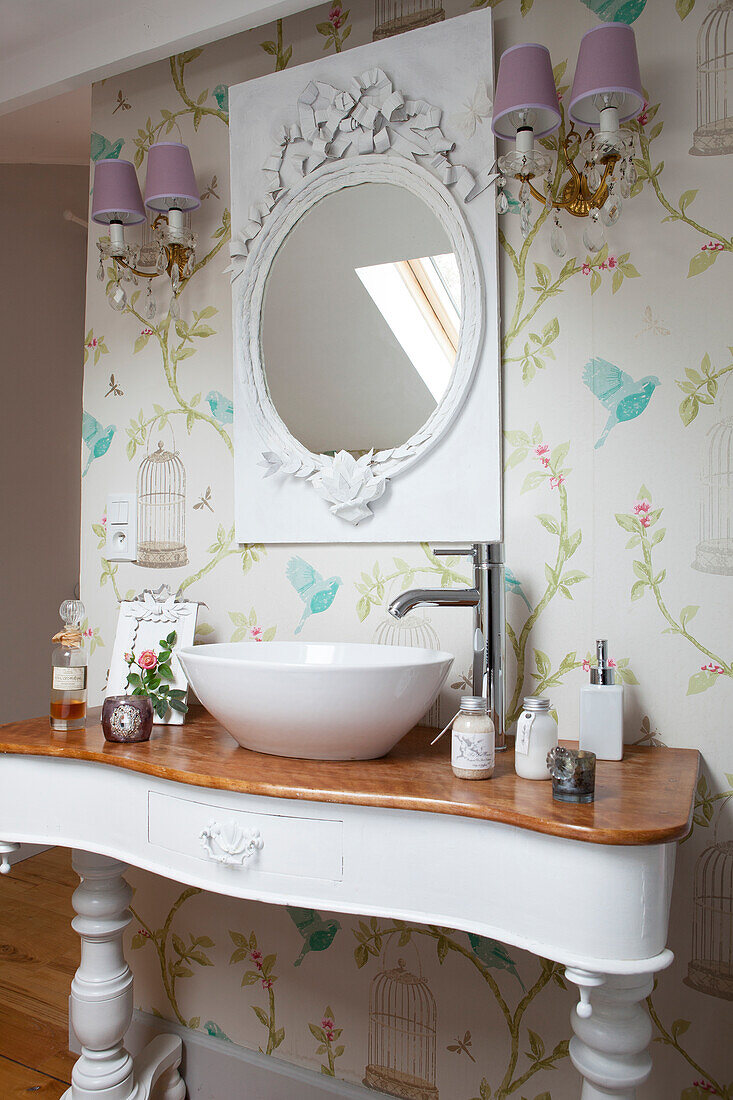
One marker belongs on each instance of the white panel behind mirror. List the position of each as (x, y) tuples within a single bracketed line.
[(449, 486)]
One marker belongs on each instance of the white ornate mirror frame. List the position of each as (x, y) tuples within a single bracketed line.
[(356, 125)]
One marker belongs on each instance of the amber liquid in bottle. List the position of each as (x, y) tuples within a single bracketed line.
[(68, 703)]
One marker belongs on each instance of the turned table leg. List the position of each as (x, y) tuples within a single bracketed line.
[(6, 849), (101, 996), (612, 1033)]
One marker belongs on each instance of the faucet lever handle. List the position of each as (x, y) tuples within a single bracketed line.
[(454, 552)]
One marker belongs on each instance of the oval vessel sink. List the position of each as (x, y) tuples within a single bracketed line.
[(318, 702)]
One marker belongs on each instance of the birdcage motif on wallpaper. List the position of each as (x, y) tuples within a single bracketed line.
[(402, 1035), (161, 510), (711, 968), (715, 550), (394, 16), (714, 133), (414, 630)]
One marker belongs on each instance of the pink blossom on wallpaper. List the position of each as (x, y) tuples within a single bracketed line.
[(712, 667), (93, 342), (612, 663), (88, 632), (556, 482), (643, 117), (705, 1086), (612, 262), (586, 665), (542, 452), (328, 1026), (336, 16), (146, 332), (256, 633), (712, 246), (586, 269), (266, 983)]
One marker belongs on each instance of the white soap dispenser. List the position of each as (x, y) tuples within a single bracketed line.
[(602, 710)]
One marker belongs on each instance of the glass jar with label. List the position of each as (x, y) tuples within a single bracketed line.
[(536, 735), (69, 671), (472, 744)]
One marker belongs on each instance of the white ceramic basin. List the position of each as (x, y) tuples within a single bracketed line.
[(318, 702)]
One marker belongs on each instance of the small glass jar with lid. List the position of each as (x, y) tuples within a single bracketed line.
[(472, 744), (536, 735)]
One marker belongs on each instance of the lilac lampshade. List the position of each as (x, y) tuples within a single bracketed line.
[(170, 182), (116, 196), (607, 63), (525, 80)]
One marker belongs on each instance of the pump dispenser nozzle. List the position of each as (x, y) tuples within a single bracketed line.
[(603, 674)]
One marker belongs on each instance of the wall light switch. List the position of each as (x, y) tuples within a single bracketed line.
[(121, 527)]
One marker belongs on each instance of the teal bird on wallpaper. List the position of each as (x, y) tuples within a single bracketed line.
[(616, 11), (222, 408), (221, 95), (511, 584), (215, 1031), (317, 933), (494, 954), (96, 438), (105, 150), (317, 595), (624, 398)]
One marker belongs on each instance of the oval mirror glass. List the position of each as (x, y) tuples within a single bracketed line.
[(361, 320)]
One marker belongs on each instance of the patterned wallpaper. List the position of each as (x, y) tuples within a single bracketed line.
[(618, 522)]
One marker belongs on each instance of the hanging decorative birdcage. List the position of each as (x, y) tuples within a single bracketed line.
[(161, 510), (402, 1035), (715, 550), (714, 133), (394, 16), (415, 629), (711, 968)]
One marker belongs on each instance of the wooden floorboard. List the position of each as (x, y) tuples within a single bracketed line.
[(39, 953)]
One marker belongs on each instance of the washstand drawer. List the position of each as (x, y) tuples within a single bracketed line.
[(255, 843)]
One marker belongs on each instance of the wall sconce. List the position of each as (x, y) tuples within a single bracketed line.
[(170, 189), (606, 92)]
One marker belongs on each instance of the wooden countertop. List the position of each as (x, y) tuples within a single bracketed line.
[(647, 798)]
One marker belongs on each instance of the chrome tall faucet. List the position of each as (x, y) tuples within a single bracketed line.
[(487, 600)]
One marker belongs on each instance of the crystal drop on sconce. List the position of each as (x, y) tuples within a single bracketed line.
[(593, 237), (118, 298), (502, 202), (174, 308), (558, 239), (611, 209)]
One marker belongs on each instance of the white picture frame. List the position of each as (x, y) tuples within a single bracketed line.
[(142, 623), (395, 111)]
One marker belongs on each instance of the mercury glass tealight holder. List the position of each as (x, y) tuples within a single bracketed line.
[(573, 774)]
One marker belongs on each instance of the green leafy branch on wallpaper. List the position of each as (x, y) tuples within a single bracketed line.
[(484, 955), (372, 587), (175, 957), (700, 387), (261, 969), (671, 1037), (559, 578), (336, 29), (275, 48), (247, 626), (224, 546), (706, 803), (151, 132), (649, 174), (641, 522), (326, 1035)]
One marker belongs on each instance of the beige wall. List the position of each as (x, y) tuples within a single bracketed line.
[(42, 327)]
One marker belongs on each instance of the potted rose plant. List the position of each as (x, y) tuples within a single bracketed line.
[(129, 718), (155, 676)]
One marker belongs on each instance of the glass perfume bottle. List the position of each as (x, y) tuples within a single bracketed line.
[(69, 671)]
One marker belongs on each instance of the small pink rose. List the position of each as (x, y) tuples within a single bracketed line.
[(129, 658), (147, 659)]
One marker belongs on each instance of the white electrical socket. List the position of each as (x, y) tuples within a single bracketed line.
[(121, 527)]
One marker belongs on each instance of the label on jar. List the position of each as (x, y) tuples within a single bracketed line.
[(524, 728), (70, 679), (472, 751)]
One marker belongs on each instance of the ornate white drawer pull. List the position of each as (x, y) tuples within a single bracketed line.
[(230, 844)]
